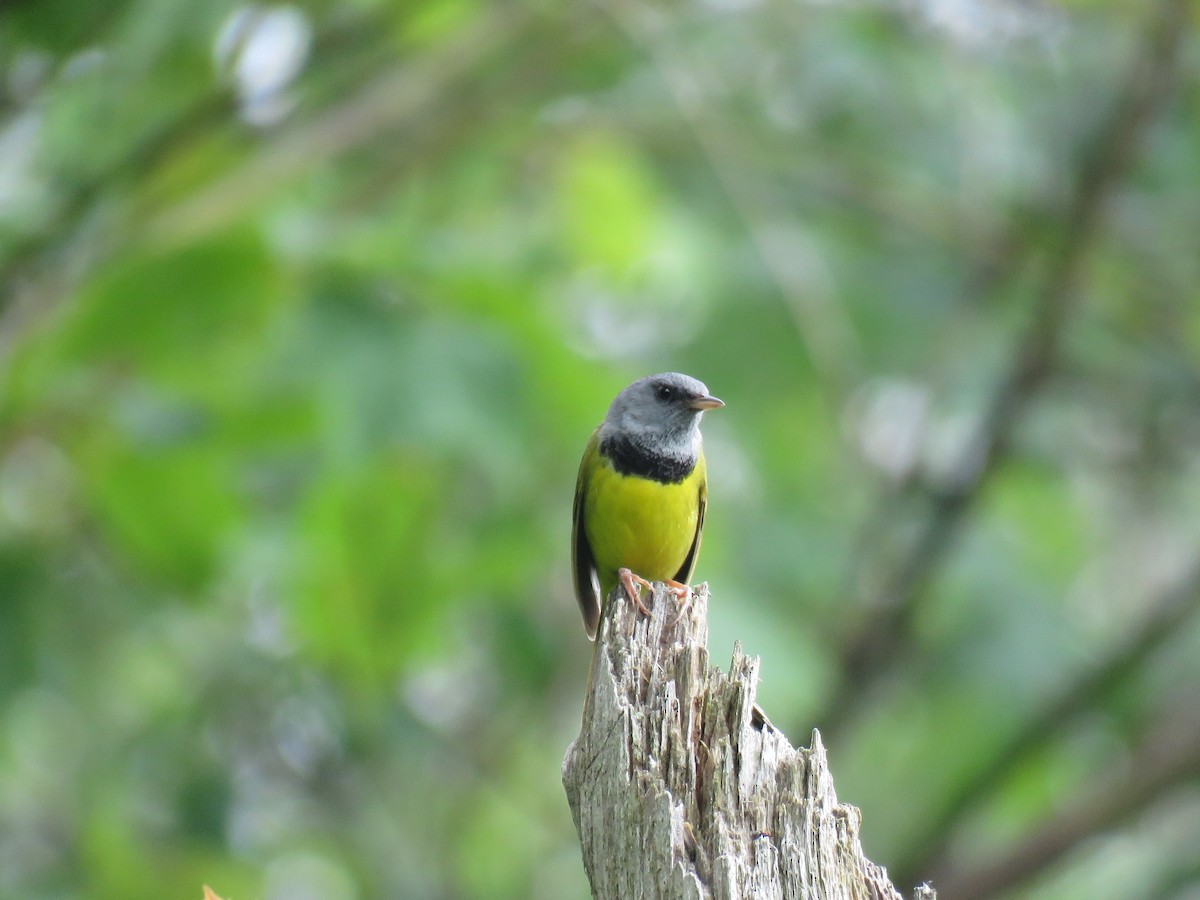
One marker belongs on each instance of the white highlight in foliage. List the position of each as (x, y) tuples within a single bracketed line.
[(888, 418), (19, 187), (264, 49)]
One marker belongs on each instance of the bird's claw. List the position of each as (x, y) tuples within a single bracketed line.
[(633, 585), (683, 593)]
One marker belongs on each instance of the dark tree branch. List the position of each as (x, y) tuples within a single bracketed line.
[(1168, 615), (891, 607), (1168, 756), (1178, 880)]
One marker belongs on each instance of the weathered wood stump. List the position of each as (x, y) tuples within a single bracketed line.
[(681, 788)]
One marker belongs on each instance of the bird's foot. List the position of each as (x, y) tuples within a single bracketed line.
[(633, 585), (683, 593)]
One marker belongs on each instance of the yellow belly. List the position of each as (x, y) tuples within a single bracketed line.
[(640, 524)]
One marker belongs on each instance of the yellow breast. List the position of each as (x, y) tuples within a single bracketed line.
[(640, 524)]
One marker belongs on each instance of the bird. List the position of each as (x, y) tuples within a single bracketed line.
[(641, 494)]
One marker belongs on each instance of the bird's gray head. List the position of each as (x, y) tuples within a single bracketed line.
[(660, 412)]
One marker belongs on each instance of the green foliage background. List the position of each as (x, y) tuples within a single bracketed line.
[(307, 312)]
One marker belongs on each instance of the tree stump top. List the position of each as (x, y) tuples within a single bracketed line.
[(680, 787)]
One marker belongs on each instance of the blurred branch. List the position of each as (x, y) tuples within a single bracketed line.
[(1183, 880), (1169, 756), (890, 608), (76, 196), (1169, 614), (396, 97), (30, 273), (32, 268)]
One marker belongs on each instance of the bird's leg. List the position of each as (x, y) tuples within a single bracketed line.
[(633, 585)]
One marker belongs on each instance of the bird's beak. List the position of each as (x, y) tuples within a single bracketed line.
[(706, 401)]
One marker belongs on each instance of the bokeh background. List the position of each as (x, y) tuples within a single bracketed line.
[(307, 311)]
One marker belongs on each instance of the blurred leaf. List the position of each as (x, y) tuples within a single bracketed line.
[(143, 495), (172, 316), (366, 592), (608, 204)]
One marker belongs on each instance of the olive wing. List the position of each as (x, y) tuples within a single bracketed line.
[(583, 563), (684, 575)]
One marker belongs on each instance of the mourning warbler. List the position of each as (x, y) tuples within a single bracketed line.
[(641, 493)]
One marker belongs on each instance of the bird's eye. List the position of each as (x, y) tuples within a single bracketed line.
[(664, 392)]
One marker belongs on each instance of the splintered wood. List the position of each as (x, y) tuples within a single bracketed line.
[(680, 787)]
